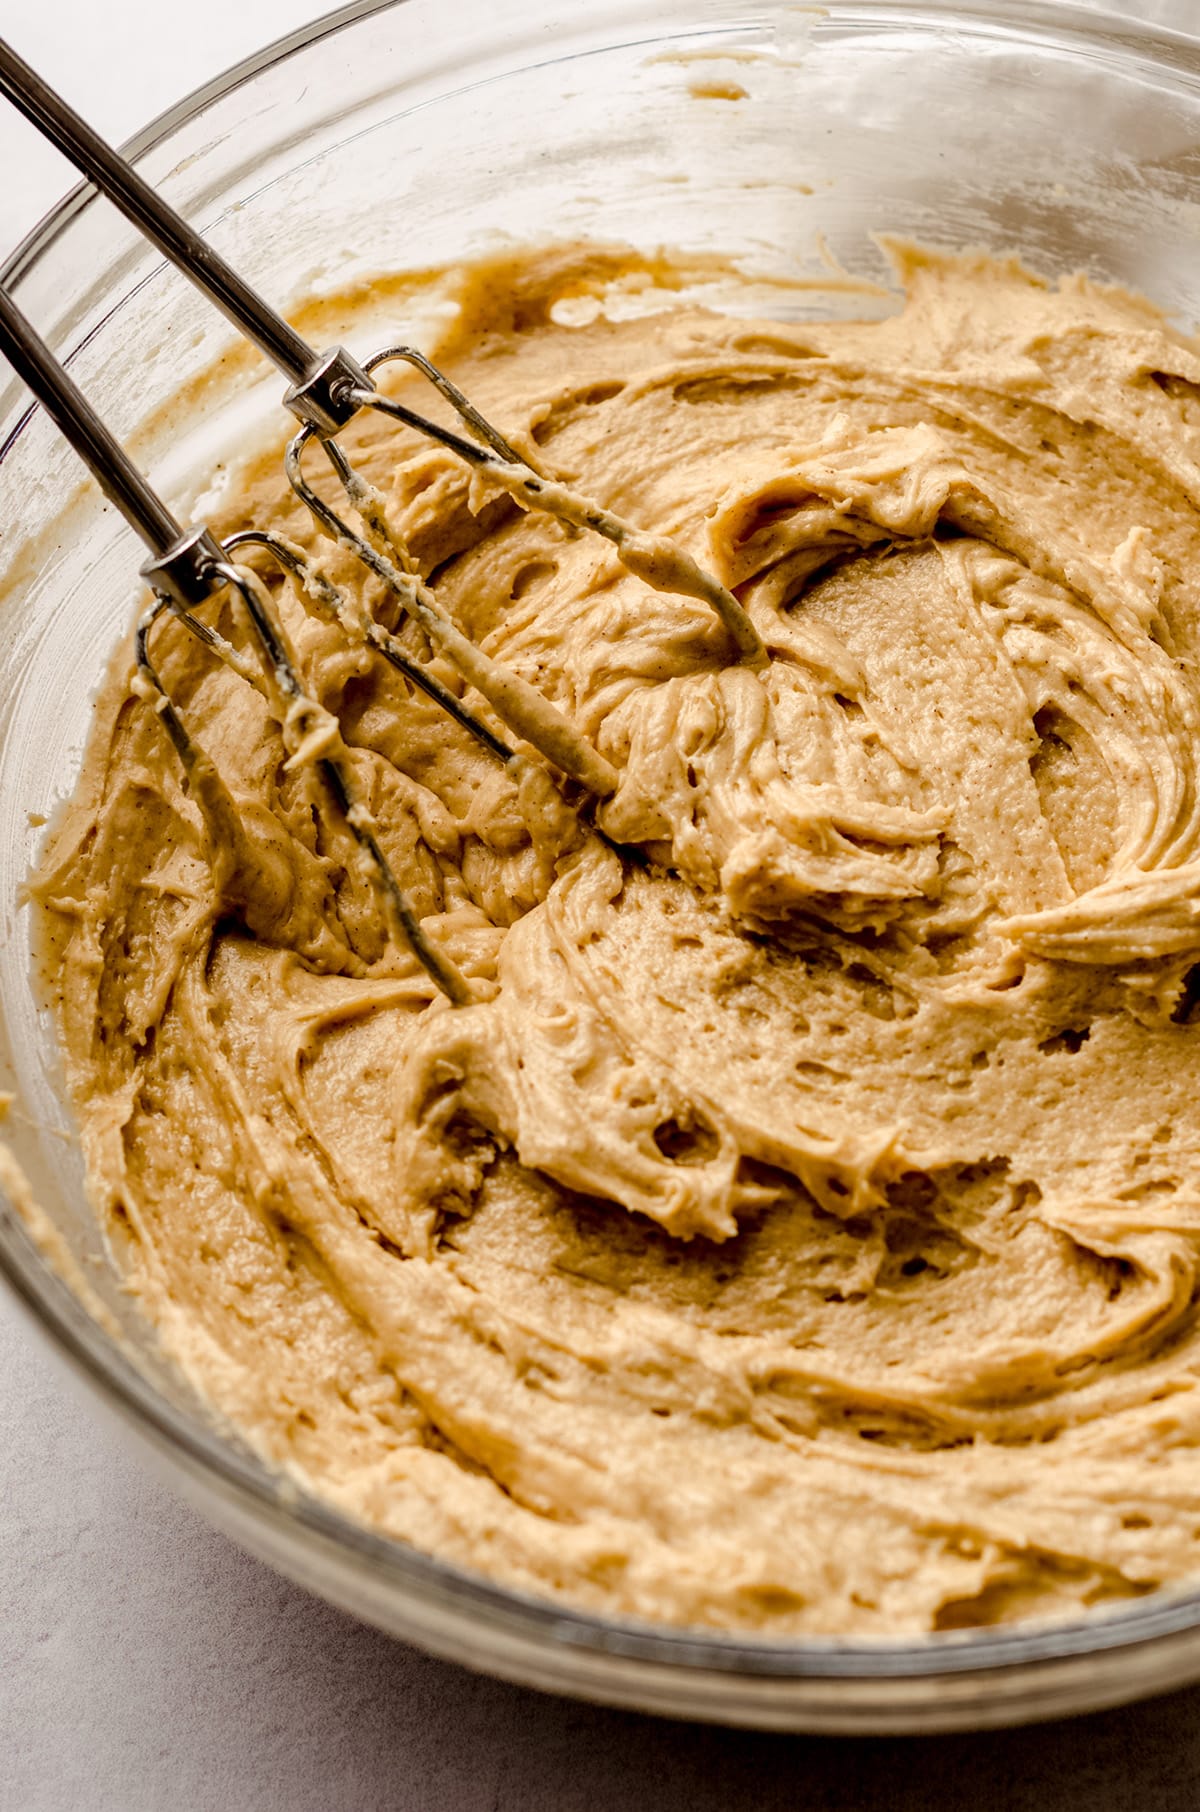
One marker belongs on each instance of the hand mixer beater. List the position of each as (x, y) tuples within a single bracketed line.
[(188, 567)]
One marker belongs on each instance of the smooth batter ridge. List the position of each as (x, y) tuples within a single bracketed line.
[(800, 1233)]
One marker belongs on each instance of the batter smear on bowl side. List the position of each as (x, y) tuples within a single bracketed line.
[(799, 1232)]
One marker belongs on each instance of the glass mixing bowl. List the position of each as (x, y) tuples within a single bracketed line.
[(397, 135)]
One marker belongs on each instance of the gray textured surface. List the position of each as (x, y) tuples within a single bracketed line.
[(145, 1663)]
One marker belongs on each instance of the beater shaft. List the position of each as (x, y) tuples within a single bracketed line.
[(175, 237)]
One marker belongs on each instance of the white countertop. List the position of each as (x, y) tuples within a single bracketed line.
[(147, 1663)]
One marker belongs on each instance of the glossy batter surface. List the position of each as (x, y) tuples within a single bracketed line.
[(800, 1233)]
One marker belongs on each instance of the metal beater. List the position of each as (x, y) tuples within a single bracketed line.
[(187, 567)]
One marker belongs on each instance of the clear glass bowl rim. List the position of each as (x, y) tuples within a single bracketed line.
[(261, 1496)]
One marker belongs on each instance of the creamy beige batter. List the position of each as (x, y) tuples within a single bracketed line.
[(801, 1232)]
